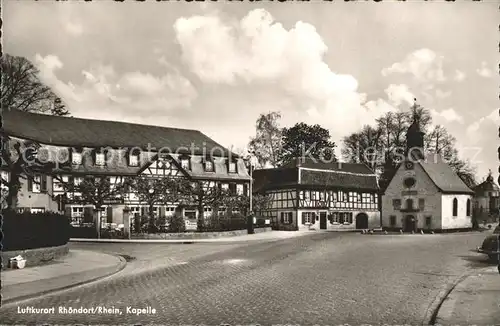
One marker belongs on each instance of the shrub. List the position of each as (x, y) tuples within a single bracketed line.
[(34, 230), (176, 224), (85, 232)]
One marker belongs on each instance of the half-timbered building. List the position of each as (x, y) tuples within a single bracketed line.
[(307, 194), (118, 150)]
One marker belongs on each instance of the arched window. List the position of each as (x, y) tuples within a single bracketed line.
[(455, 207), (468, 207), (409, 204)]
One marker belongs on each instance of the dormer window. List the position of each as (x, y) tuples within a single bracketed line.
[(100, 159), (232, 167), (185, 163), (76, 158), (133, 159), (209, 166)]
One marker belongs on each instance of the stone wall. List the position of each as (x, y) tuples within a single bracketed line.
[(37, 256), (196, 235)]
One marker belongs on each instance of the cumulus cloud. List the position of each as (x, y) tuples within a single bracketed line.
[(259, 51), (484, 71), (448, 115), (424, 64), (105, 92), (399, 94), (492, 119)]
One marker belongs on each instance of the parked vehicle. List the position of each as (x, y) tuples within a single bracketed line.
[(490, 244)]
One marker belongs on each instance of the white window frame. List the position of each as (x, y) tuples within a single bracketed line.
[(239, 189), (308, 217), (209, 166), (98, 160), (185, 163), (76, 158), (231, 170), (36, 185), (287, 217), (35, 210), (77, 211), (133, 160)]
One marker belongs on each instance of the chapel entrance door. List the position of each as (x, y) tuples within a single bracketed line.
[(409, 223)]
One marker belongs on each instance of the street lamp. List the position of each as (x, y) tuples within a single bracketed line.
[(250, 159)]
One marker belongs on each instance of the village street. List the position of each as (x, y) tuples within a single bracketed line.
[(322, 278)]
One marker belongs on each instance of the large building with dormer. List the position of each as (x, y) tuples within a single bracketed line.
[(308, 194), (117, 150), (425, 193), (486, 200)]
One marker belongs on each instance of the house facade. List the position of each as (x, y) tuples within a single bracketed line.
[(116, 151), (425, 193), (486, 200), (306, 195)]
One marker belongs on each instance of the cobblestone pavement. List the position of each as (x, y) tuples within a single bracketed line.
[(323, 278)]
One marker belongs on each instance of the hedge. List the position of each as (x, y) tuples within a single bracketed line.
[(84, 232), (34, 230)]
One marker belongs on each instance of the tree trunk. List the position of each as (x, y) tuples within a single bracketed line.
[(201, 218), (14, 186), (151, 217), (97, 220)]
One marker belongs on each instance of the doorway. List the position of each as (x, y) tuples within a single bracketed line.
[(361, 221), (410, 223), (322, 220)]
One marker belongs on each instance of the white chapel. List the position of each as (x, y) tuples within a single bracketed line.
[(425, 193)]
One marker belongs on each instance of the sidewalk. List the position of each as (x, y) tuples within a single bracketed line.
[(476, 300), (271, 235), (76, 268)]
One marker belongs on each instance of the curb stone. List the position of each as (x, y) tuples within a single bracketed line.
[(432, 311), (109, 271)]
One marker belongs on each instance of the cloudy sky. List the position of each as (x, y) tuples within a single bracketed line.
[(216, 66)]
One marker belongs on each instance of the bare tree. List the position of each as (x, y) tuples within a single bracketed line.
[(23, 90)]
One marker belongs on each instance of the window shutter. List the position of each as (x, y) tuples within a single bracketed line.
[(245, 189), (232, 188), (303, 218), (30, 183), (67, 211), (43, 183), (282, 219), (162, 211), (109, 211), (144, 211), (88, 214), (313, 219)]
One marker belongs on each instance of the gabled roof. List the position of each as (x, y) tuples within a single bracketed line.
[(69, 131), (317, 174), (487, 185), (443, 176)]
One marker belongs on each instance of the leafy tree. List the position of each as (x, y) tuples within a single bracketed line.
[(303, 140), (201, 194), (23, 90), (267, 142), (242, 203), (154, 191)]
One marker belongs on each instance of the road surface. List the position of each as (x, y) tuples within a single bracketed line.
[(322, 278)]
